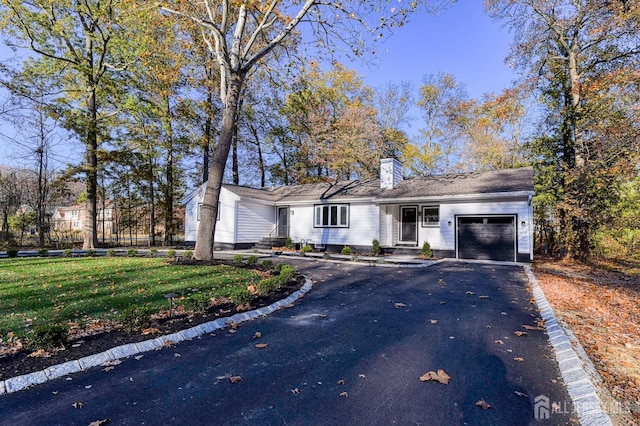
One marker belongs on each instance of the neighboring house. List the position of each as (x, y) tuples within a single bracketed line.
[(72, 218), (484, 215), (69, 218)]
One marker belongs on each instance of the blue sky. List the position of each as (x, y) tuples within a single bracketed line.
[(461, 40)]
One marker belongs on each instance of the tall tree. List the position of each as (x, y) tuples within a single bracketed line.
[(73, 44), (439, 149), (241, 35), (580, 55), (393, 102), (333, 119)]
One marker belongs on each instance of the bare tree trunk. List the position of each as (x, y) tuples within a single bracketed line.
[(209, 213), (90, 225), (254, 132), (168, 194)]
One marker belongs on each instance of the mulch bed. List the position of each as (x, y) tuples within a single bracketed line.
[(600, 303), (20, 363)]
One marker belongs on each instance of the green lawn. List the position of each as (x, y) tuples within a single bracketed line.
[(61, 290)]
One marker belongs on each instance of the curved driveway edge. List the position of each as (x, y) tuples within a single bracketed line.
[(18, 383), (584, 396)]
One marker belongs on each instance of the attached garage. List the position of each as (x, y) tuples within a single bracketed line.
[(487, 237)]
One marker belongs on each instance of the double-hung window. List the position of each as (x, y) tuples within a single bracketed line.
[(331, 216), (430, 216)]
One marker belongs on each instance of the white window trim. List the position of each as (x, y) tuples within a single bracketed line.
[(199, 209), (426, 224), (318, 215)]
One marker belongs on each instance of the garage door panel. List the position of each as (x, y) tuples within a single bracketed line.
[(486, 238)]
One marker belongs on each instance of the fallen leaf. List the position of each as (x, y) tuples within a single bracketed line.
[(78, 404), (168, 343), (484, 297), (261, 345), (295, 391), (344, 394), (257, 335), (341, 382), (470, 293), (176, 355), (151, 330), (524, 395), (138, 357), (443, 302), (482, 404), (433, 321), (88, 386), (362, 376), (100, 422), (440, 376), (519, 359), (500, 342), (520, 333), (235, 379), (400, 305), (40, 353)]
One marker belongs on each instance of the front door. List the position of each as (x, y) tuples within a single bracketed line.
[(283, 222), (409, 225)]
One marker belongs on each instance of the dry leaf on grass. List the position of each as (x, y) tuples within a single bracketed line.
[(344, 394), (235, 379), (400, 305), (100, 422), (470, 293), (484, 297), (261, 345), (433, 321), (78, 404), (519, 359), (257, 335), (520, 333), (440, 376), (151, 330), (482, 404)]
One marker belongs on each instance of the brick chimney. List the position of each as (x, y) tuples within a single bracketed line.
[(390, 173)]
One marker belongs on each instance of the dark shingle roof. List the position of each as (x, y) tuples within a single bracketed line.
[(497, 181), (313, 191)]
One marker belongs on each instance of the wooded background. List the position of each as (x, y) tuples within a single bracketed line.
[(164, 96)]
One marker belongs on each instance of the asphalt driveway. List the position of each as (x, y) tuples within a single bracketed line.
[(350, 352)]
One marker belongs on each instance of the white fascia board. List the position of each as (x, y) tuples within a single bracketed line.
[(325, 201), (192, 194), (462, 197)]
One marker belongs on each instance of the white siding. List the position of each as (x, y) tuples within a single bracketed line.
[(225, 227), (364, 223), (254, 221)]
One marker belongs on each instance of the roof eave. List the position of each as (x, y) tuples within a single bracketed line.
[(460, 197)]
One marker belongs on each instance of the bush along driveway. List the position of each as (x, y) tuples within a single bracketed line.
[(449, 344)]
